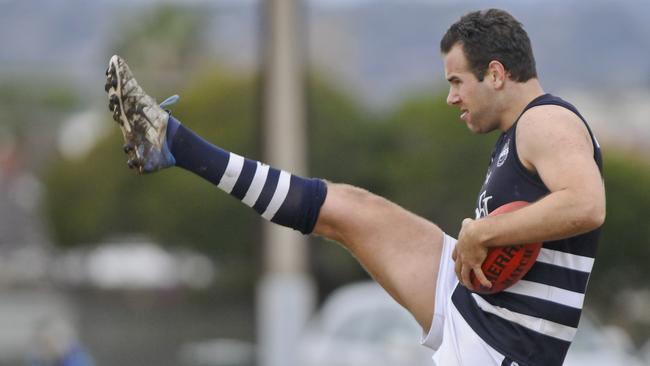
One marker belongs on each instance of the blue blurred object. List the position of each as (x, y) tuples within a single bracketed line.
[(76, 356), (56, 344)]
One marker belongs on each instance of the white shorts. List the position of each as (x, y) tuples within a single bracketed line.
[(450, 336)]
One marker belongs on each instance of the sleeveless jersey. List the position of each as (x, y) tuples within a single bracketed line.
[(534, 321)]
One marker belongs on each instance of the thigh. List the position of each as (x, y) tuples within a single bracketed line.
[(399, 249)]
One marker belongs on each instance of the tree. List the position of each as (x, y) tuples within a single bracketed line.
[(173, 207), (621, 262)]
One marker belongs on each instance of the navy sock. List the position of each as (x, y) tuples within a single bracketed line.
[(278, 196), (172, 127)]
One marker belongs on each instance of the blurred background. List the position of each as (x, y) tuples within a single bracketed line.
[(100, 266)]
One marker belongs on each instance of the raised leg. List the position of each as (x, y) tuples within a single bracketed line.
[(399, 249)]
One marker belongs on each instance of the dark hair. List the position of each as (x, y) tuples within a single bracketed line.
[(492, 34)]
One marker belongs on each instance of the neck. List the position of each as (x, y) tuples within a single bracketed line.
[(518, 97)]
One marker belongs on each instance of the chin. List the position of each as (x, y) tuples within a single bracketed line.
[(480, 129), (474, 129)]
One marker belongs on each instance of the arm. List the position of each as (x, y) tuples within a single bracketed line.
[(554, 143)]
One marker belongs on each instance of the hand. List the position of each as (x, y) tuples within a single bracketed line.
[(469, 255)]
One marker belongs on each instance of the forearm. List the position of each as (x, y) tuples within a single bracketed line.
[(559, 215)]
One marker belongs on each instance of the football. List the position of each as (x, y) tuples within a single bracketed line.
[(504, 266)]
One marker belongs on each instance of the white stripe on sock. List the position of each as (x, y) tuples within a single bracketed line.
[(278, 197), (230, 176), (253, 193), (539, 325), (549, 293), (566, 260)]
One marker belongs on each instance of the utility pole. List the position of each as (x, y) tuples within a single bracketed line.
[(286, 293)]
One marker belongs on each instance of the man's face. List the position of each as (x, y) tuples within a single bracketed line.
[(471, 96)]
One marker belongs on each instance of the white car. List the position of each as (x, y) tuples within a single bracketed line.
[(360, 325), (601, 346)]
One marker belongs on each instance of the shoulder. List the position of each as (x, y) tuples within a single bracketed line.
[(550, 130), (551, 120)]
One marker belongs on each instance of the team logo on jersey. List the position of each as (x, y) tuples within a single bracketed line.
[(482, 209), (504, 153)]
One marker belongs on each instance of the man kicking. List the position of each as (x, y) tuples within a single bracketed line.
[(546, 155)]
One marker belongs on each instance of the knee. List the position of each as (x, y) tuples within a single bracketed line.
[(344, 206)]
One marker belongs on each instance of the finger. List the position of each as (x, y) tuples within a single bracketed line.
[(464, 274), (454, 254), (466, 221), (478, 272)]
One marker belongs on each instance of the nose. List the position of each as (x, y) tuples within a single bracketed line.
[(452, 98)]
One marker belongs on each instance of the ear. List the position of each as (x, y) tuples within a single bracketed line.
[(496, 74)]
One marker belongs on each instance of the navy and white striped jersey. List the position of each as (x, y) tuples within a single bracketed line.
[(534, 321)]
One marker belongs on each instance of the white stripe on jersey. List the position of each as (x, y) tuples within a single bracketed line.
[(233, 170), (255, 189), (280, 194), (549, 293), (566, 260), (543, 326)]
